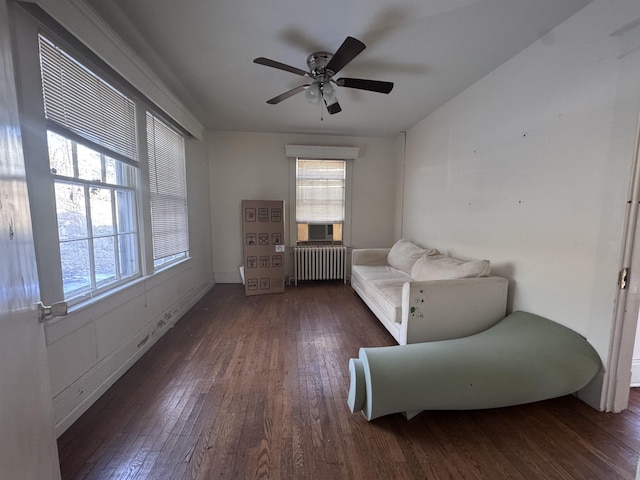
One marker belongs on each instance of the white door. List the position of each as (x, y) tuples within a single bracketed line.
[(27, 439)]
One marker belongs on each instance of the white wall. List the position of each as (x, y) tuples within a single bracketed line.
[(399, 155), (253, 166), (530, 168)]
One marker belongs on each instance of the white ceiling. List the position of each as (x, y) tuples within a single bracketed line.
[(430, 49)]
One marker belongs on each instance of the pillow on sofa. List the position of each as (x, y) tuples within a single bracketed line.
[(441, 267), (404, 254)]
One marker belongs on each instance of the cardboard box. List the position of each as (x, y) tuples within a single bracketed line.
[(263, 242)]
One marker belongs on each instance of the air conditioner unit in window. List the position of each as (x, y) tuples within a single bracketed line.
[(320, 232)]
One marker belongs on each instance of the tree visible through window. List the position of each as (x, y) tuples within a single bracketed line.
[(95, 206)]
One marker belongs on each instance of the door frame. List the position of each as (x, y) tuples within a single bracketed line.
[(617, 375)]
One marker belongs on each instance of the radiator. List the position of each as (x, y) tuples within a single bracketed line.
[(320, 263)]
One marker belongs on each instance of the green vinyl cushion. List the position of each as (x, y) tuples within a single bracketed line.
[(524, 358)]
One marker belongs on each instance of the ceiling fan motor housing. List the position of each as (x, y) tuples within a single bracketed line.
[(317, 62)]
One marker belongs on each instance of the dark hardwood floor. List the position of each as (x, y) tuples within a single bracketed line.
[(256, 387)]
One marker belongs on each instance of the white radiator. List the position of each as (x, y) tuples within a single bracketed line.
[(320, 263)]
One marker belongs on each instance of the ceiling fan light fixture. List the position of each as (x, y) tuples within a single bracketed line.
[(313, 93), (328, 93)]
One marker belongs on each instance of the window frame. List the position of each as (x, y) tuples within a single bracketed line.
[(303, 226), (131, 185), (312, 152)]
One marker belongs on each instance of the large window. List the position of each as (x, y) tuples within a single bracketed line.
[(320, 193), (168, 192), (320, 200), (112, 167), (93, 162)]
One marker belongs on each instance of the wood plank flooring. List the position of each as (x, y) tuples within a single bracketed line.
[(256, 388)]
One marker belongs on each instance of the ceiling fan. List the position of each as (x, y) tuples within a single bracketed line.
[(322, 67)]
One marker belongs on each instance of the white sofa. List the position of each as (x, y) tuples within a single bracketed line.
[(420, 295)]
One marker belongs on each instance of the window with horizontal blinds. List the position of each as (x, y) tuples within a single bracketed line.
[(84, 104), (320, 191), (104, 197), (93, 166), (168, 191)]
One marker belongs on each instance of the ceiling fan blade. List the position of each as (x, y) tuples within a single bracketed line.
[(362, 84), (349, 50), (287, 94), (333, 108), (280, 66)]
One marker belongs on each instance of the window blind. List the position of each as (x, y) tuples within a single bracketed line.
[(168, 191), (320, 189), (82, 103)]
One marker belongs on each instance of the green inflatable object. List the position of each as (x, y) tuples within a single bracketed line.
[(524, 358)]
